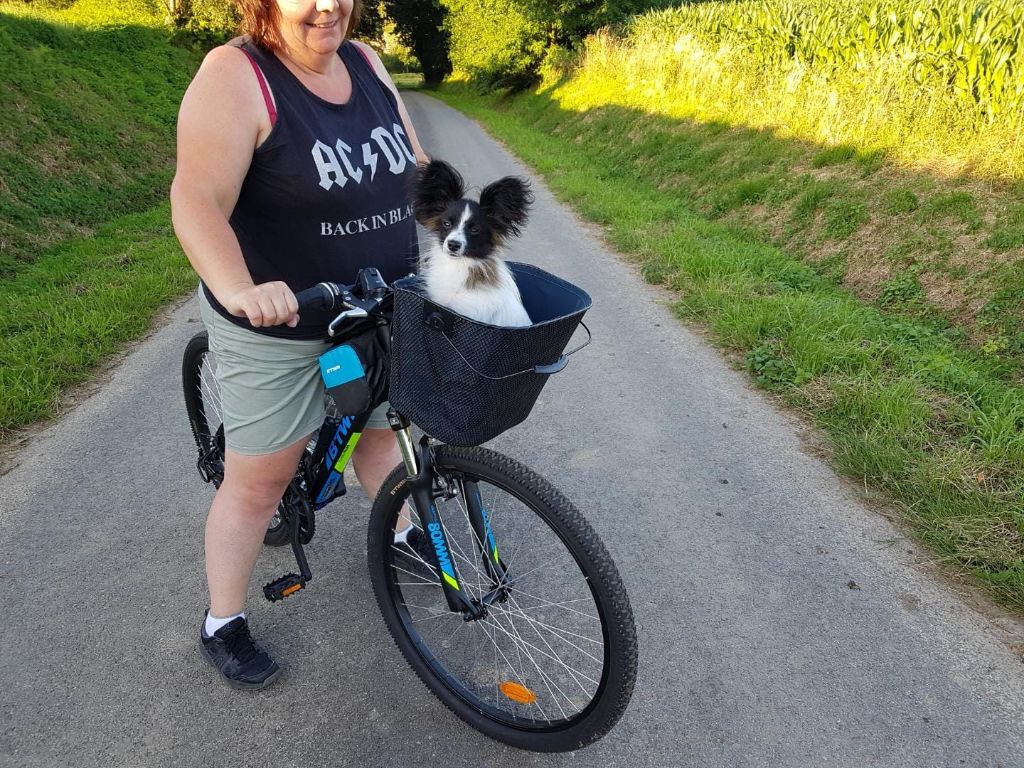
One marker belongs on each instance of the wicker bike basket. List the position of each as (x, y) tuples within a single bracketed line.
[(465, 382)]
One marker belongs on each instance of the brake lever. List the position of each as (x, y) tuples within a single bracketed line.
[(349, 314)]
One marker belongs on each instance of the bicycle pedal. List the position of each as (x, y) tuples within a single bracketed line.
[(283, 587)]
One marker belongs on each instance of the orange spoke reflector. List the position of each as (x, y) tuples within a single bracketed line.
[(518, 693)]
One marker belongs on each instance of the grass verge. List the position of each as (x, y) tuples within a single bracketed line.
[(936, 425), (78, 303), (91, 99)]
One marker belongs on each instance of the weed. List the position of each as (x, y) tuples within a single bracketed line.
[(833, 156), (897, 201), (843, 216)]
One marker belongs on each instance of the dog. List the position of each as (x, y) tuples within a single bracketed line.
[(463, 270)]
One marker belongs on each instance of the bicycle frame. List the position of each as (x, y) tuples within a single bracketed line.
[(323, 472), (320, 480), (335, 444)]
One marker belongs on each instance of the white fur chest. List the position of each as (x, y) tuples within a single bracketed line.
[(449, 282)]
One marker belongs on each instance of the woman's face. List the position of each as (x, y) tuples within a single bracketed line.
[(315, 25)]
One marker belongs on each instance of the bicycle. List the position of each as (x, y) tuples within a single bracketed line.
[(514, 615)]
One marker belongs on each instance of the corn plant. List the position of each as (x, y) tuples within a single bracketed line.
[(975, 48)]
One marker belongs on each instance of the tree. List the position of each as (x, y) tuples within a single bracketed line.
[(371, 21), (568, 22), (420, 25), (503, 42), (179, 12)]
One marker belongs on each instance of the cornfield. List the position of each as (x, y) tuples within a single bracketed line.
[(975, 48)]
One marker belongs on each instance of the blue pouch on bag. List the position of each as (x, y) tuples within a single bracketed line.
[(345, 379)]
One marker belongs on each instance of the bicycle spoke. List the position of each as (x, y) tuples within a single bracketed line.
[(482, 550), (553, 651), (569, 669), (429, 608), (417, 583), (518, 576), (558, 633), (540, 672), (544, 678), (562, 604), (458, 552), (435, 616), (511, 668), (418, 576)]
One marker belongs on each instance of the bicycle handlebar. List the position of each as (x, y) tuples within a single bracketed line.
[(321, 296), (361, 300)]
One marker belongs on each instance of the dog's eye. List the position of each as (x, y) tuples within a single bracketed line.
[(446, 223), (474, 230)]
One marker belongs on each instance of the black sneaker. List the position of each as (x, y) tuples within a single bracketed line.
[(242, 663), (416, 553)]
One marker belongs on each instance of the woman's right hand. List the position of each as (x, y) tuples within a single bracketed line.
[(265, 305)]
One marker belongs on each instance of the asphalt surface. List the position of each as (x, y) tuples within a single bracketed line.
[(782, 623)]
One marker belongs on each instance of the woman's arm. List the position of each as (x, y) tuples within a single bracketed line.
[(222, 119), (382, 73)]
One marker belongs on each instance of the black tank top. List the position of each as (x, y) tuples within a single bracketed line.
[(326, 193)]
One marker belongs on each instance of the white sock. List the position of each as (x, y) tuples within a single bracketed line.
[(213, 623), (402, 536)]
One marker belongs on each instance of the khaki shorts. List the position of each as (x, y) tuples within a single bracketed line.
[(271, 391)]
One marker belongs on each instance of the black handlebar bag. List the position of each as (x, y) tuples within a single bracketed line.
[(465, 382), (355, 373)]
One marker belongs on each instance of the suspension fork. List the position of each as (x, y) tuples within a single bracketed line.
[(480, 520), (419, 466)]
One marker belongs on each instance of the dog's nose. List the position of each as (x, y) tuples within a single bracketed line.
[(455, 246)]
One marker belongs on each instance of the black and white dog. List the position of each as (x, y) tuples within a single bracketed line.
[(463, 269)]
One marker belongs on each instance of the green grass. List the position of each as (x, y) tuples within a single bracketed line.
[(77, 304), (87, 132), (408, 79), (87, 255), (899, 200), (833, 156), (816, 201), (1009, 230), (911, 409)]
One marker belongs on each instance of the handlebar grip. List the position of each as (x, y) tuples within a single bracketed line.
[(319, 297)]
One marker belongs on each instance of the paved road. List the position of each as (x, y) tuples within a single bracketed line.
[(737, 547)]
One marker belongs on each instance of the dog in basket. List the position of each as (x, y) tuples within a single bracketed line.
[(463, 269)]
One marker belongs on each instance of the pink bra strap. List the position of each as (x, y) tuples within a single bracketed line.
[(271, 110), (363, 52)]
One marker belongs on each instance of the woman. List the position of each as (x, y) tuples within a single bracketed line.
[(294, 150)]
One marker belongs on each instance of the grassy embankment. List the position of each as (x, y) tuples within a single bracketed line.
[(852, 235), (87, 255)]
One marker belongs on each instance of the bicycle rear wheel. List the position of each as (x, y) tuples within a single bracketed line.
[(205, 415), (202, 402), (552, 667)]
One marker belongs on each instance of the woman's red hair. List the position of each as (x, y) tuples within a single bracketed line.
[(260, 21)]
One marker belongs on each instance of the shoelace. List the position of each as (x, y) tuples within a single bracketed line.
[(241, 646)]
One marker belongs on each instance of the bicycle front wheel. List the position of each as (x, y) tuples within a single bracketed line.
[(550, 667)]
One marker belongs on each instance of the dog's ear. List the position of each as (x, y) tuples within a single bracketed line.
[(506, 203), (437, 185)]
